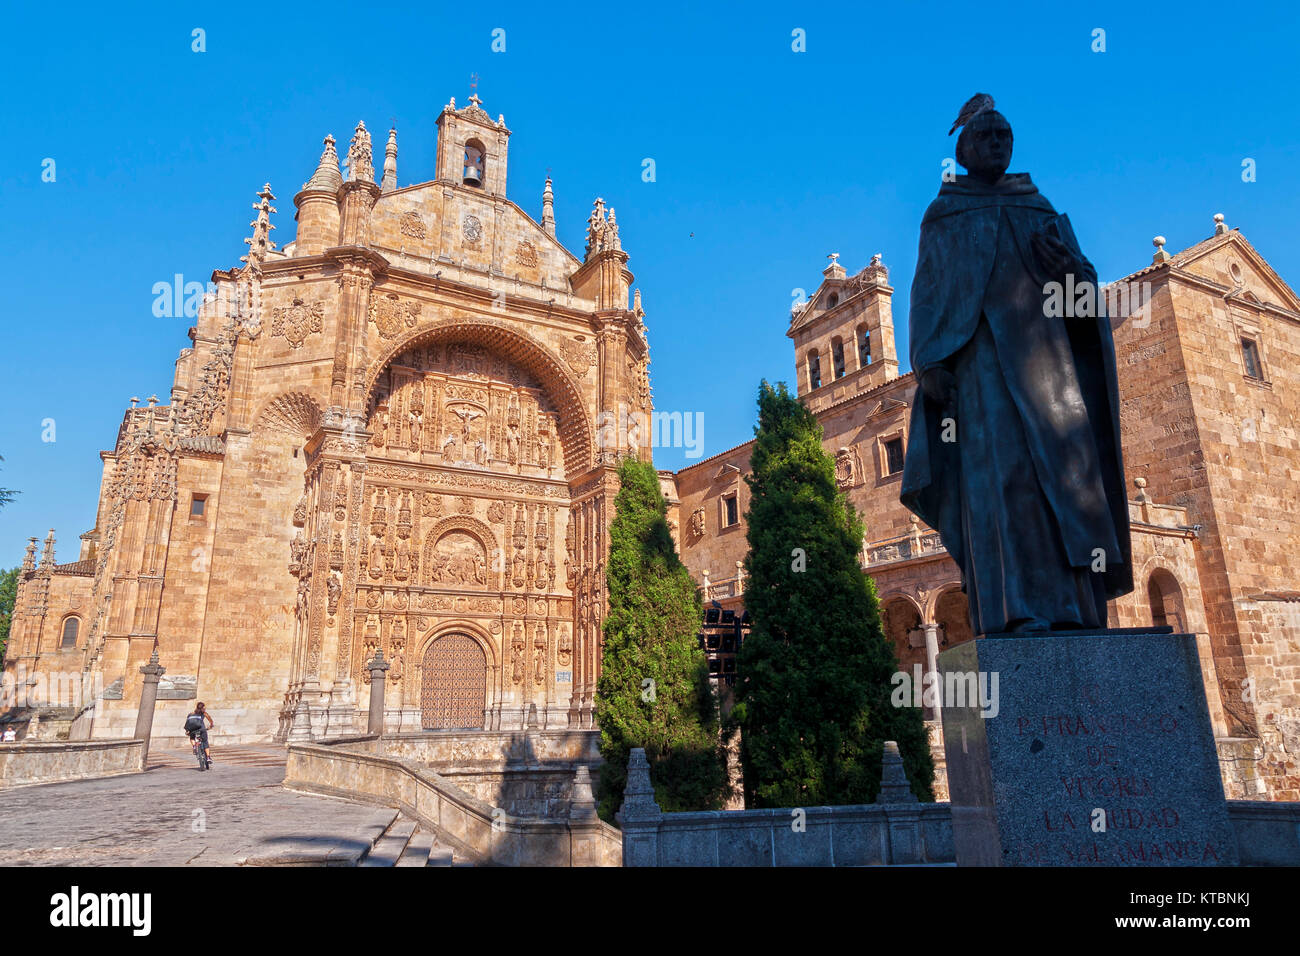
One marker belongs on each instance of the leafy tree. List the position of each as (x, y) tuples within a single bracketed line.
[(813, 700), (654, 689), (8, 593), (6, 494)]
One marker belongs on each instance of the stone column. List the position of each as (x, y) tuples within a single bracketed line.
[(148, 697), (377, 667), (932, 667)]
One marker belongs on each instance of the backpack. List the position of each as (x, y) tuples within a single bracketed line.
[(193, 724)]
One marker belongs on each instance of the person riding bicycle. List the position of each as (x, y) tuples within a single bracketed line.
[(196, 725)]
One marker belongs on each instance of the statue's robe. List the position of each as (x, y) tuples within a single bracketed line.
[(1030, 498)]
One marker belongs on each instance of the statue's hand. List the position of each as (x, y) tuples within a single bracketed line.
[(939, 386), (1055, 256)]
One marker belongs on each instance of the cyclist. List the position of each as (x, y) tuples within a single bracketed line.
[(200, 730)]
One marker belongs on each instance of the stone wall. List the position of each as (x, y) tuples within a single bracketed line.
[(22, 764), (361, 768)]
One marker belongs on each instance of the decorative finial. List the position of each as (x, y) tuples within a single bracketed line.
[(152, 400), (1220, 227), (1161, 255), (134, 401), (360, 166), (1141, 483), (390, 163), (327, 175), (260, 243), (548, 206)]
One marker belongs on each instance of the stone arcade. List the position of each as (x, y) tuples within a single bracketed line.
[(383, 436)]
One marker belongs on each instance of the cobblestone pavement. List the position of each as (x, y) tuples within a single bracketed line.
[(173, 814)]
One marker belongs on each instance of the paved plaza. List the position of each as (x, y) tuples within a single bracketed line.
[(175, 815)]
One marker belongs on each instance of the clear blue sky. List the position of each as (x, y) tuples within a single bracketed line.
[(771, 159)]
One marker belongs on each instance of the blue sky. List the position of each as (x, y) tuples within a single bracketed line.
[(766, 159)]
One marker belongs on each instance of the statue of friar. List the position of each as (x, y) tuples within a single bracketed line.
[(1014, 450)]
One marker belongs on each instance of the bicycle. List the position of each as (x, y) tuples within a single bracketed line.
[(196, 743)]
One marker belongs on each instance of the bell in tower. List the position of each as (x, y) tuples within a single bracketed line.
[(472, 173)]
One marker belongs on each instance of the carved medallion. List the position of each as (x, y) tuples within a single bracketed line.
[(581, 356), (471, 229), (295, 322), (526, 254), (391, 315), (413, 225)]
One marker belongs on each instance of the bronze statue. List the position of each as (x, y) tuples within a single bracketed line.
[(1014, 450)]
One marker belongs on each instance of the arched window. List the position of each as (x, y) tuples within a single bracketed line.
[(71, 628), (814, 370), (864, 347), (474, 171), (832, 300), (837, 357)]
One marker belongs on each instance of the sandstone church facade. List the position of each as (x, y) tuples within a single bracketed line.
[(383, 436), (1208, 346), (401, 433)]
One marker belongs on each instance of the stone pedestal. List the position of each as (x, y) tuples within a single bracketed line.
[(377, 667), (1082, 749), (152, 671)]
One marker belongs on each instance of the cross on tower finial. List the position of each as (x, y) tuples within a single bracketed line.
[(473, 90)]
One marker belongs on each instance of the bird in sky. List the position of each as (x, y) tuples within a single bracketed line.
[(979, 103)]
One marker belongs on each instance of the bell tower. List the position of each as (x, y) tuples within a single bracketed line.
[(472, 148), (844, 335)]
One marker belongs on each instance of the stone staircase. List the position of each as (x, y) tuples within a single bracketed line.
[(405, 843)]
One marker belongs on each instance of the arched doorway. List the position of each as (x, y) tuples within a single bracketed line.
[(1166, 599), (454, 684), (953, 614)]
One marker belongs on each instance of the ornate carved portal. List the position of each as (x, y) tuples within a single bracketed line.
[(453, 692)]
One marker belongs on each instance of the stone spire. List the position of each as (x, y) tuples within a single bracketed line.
[(1220, 227), (360, 165), (47, 556), (548, 208), (390, 163), (29, 558), (327, 174), (612, 240), (260, 243)]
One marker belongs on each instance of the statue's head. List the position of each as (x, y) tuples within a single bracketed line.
[(984, 146)]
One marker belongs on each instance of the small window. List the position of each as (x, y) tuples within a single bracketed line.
[(893, 456), (730, 511), (837, 358), (71, 627), (1250, 356), (198, 506), (832, 300), (864, 348), (814, 370)]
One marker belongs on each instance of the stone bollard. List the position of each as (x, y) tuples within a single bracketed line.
[(903, 839), (585, 844), (148, 698), (639, 816), (377, 667)]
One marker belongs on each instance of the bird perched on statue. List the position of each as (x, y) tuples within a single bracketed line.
[(979, 103)]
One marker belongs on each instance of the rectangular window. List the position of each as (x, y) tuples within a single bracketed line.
[(198, 505), (1250, 357), (893, 456), (730, 511)]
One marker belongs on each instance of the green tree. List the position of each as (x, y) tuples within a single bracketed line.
[(6, 494), (8, 593), (813, 701), (654, 689)]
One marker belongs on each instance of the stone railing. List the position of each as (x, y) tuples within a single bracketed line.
[(902, 548), (24, 763), (363, 769)]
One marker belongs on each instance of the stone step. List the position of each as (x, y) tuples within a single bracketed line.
[(309, 849), (417, 850), (388, 849), (440, 855)]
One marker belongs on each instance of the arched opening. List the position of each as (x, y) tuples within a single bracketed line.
[(453, 690), (814, 370), (864, 346), (474, 167), (71, 628), (901, 621), (837, 357), (1166, 600), (952, 613)]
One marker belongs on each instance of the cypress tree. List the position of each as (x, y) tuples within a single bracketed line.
[(654, 689), (813, 699)]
